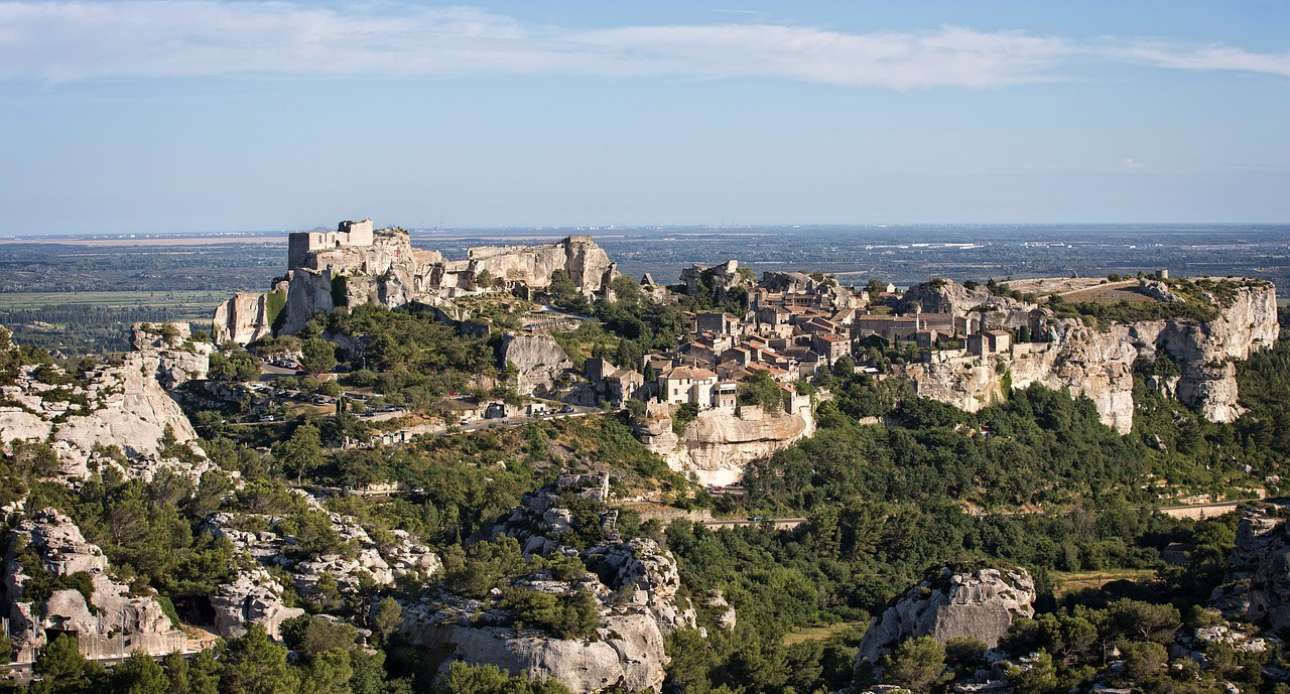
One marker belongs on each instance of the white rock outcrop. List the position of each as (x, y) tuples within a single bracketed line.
[(111, 623), (719, 444), (112, 405), (253, 597), (537, 359), (635, 585), (981, 603)]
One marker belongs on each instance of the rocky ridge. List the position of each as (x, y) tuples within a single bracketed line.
[(256, 597), (390, 272), (1099, 361), (113, 406)]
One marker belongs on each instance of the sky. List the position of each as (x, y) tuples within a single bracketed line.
[(205, 115)]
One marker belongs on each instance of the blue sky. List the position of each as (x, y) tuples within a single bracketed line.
[(204, 115)]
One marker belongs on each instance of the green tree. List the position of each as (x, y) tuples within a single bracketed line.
[(1039, 676), (317, 355), (329, 672), (62, 668), (1142, 659), (386, 618), (916, 664), (140, 674), (490, 679), (257, 665), (300, 453)]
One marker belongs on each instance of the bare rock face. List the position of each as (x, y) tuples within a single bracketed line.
[(110, 623), (719, 444), (647, 576), (1257, 585), (180, 358), (331, 269), (538, 359), (980, 603), (588, 265), (243, 319), (626, 653), (1098, 362), (121, 406), (254, 597)]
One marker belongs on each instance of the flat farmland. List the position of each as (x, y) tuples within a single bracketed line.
[(199, 301)]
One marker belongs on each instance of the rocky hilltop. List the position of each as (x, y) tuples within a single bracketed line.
[(1096, 359), (108, 620), (356, 265), (633, 587), (720, 443), (981, 603), (110, 406)]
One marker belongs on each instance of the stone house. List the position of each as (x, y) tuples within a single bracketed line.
[(687, 384), (989, 342), (831, 347)]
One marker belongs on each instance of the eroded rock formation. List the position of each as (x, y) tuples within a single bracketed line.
[(108, 622), (364, 561), (1257, 585), (1098, 361), (538, 360), (111, 406), (981, 603), (635, 585), (719, 444)]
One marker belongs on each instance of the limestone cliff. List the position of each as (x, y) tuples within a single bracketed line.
[(950, 602), (108, 622), (719, 444), (119, 405), (243, 318), (538, 360), (327, 270), (1097, 361)]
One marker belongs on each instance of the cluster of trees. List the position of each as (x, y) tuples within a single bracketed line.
[(330, 661)]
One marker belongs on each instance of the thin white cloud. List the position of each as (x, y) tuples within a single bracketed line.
[(1130, 163), (1211, 57), (62, 41)]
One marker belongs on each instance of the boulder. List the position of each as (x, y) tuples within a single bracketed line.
[(253, 597), (950, 602), (626, 653), (537, 358)]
